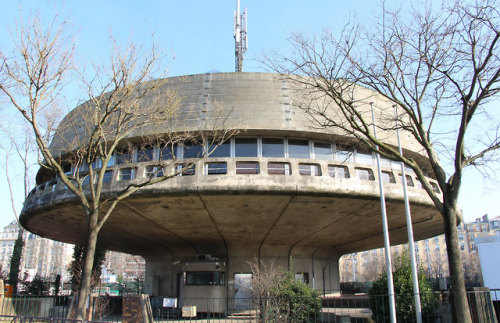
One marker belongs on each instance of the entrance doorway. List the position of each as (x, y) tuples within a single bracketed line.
[(243, 292)]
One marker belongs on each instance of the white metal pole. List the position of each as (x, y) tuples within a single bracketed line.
[(409, 227), (353, 269), (385, 227)]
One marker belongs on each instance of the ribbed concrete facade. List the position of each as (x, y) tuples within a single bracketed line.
[(281, 190)]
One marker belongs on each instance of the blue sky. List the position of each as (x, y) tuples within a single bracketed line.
[(198, 38)]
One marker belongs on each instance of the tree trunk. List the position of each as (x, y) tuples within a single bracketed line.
[(86, 274), (459, 293)]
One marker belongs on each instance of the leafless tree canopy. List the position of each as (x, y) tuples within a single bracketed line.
[(439, 66), (126, 105)]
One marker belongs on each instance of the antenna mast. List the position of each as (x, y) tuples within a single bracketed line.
[(240, 36)]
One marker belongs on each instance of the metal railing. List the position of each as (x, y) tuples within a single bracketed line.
[(35, 306), (436, 307)]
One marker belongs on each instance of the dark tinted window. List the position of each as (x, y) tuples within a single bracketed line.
[(205, 278), (168, 151), (322, 151), (273, 147), (192, 150), (298, 148), (224, 150), (246, 147), (145, 153)]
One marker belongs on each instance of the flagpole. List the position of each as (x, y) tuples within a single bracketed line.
[(409, 226), (387, 245)]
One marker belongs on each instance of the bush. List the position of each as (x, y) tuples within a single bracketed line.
[(403, 290), (38, 287), (282, 297), (293, 301)]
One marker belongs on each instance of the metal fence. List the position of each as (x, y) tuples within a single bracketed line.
[(35, 306), (436, 307)]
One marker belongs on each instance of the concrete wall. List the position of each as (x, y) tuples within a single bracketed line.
[(252, 102), (161, 277)]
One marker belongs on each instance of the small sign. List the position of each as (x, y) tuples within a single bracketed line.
[(170, 302), (189, 311)]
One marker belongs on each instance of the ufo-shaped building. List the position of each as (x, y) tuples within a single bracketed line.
[(279, 189)]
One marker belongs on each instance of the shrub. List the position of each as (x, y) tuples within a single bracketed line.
[(403, 290), (294, 300), (282, 297)]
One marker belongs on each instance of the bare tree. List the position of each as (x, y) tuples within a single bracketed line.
[(124, 101), (440, 67), (16, 151)]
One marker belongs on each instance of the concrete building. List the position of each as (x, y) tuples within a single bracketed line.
[(365, 266), (8, 237), (43, 257), (430, 253), (128, 267), (279, 189)]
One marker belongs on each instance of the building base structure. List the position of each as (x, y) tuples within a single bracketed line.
[(171, 278)]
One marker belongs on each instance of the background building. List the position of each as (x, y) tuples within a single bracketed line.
[(430, 253), (47, 258), (42, 257)]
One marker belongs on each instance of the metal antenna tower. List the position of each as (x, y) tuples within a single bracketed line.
[(240, 36)]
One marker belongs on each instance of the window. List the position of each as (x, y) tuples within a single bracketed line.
[(419, 183), (168, 151), (84, 167), (384, 162), (245, 147), (435, 187), (153, 171), (298, 148), (126, 174), (247, 168), (388, 177), (67, 169), (273, 147), (302, 277), (185, 169), (108, 176), (205, 278), (122, 156), (192, 150), (97, 163), (322, 151), (409, 180), (344, 155), (145, 153), (278, 169), (223, 150), (338, 171), (365, 174), (216, 168), (364, 158), (51, 187), (396, 165), (408, 169), (309, 169)]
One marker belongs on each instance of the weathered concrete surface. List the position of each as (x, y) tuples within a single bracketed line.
[(237, 218)]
